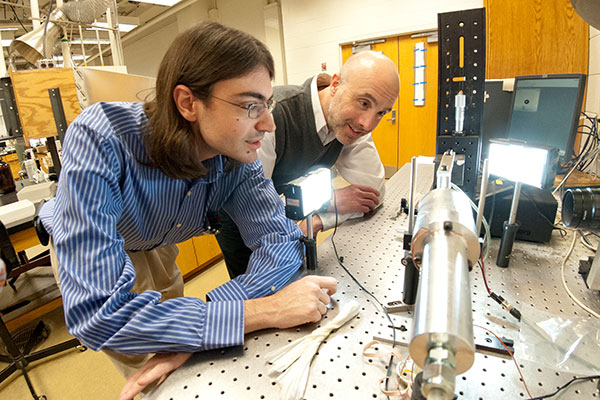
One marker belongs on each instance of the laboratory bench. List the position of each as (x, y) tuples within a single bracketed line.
[(372, 249)]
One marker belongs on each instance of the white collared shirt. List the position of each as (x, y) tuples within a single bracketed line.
[(358, 163)]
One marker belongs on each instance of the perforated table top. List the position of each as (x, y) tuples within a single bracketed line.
[(372, 250)]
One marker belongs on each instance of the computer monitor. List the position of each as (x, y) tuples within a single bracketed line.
[(546, 110), (497, 105)]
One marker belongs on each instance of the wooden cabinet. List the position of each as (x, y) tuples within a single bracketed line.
[(197, 253), (530, 37)]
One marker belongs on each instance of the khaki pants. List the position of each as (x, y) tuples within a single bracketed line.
[(155, 270)]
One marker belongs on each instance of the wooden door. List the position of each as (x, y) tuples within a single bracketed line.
[(197, 253), (417, 124), (385, 135)]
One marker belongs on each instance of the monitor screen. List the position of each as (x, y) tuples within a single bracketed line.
[(546, 109)]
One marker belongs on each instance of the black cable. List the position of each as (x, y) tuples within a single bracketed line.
[(18, 19), (582, 378), (593, 134), (340, 262), (587, 241), (590, 144)]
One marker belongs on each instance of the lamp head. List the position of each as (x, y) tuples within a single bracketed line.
[(517, 161), (31, 45), (307, 193)]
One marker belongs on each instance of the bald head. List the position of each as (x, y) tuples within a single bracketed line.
[(368, 65), (359, 96)]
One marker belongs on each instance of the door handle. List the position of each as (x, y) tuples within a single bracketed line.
[(393, 119)]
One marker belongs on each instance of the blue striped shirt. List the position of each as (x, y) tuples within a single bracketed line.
[(108, 202)]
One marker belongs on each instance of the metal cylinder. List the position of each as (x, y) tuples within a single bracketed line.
[(581, 208), (445, 244), (460, 102), (438, 207), (482, 196)]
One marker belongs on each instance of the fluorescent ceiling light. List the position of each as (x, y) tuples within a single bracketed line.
[(122, 27), (167, 3), (9, 29)]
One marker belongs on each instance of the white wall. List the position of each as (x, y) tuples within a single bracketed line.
[(143, 52), (245, 15), (143, 56), (592, 104), (314, 29)]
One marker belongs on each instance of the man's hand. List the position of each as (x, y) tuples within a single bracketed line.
[(299, 303), (159, 366), (355, 198)]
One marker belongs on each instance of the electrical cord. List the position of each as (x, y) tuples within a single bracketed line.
[(512, 310), (591, 143), (500, 300), (18, 19), (585, 241), (341, 263), (511, 356), (481, 266), (580, 378)]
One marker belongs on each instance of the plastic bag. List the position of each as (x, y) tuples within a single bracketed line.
[(568, 345)]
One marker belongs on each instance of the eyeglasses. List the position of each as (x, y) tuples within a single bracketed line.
[(255, 110)]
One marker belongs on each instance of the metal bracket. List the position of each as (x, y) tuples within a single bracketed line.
[(9, 109), (397, 306), (461, 66)]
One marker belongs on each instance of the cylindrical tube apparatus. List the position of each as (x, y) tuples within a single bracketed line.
[(445, 245)]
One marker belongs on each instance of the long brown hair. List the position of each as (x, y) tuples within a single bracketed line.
[(198, 58)]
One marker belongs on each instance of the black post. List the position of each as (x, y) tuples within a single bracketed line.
[(61, 126)]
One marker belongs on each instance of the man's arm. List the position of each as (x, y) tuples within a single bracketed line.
[(277, 254), (301, 302), (360, 165), (97, 275)]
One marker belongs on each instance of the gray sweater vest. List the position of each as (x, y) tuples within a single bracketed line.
[(298, 147)]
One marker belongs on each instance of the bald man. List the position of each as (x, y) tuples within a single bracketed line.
[(326, 122)]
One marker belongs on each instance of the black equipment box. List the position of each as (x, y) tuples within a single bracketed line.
[(535, 214)]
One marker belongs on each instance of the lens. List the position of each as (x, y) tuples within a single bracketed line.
[(581, 208)]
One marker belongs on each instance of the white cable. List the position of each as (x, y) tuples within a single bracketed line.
[(564, 282), (292, 361), (586, 243)]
